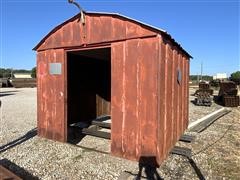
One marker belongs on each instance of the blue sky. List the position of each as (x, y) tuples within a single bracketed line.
[(208, 30)]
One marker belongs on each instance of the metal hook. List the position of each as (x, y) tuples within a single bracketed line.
[(81, 11)]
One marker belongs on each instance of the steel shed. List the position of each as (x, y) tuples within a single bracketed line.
[(114, 65)]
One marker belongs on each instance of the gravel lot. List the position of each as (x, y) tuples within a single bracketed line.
[(38, 158)]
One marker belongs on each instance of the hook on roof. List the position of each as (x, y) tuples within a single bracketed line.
[(80, 9)]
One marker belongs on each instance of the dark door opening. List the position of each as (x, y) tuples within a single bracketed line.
[(88, 89)]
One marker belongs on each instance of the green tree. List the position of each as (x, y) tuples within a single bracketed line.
[(5, 73), (33, 72), (235, 75)]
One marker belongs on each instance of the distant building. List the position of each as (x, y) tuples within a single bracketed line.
[(22, 75), (220, 76)]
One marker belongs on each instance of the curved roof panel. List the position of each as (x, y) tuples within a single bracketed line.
[(119, 16)]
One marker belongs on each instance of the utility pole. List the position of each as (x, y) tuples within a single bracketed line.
[(201, 69)]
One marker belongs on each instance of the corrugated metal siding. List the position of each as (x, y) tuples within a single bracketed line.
[(134, 92), (50, 96)]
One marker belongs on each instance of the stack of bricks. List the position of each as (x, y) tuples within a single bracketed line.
[(228, 94), (204, 87)]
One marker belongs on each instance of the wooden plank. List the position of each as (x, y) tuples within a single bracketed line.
[(102, 124), (94, 131), (182, 151), (186, 138), (103, 121), (207, 122)]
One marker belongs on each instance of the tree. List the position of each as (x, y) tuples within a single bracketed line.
[(204, 77), (235, 75), (5, 73), (33, 72)]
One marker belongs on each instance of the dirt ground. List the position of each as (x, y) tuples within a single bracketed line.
[(216, 151)]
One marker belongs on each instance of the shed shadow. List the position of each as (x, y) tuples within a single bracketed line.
[(30, 134), (19, 171), (149, 165)]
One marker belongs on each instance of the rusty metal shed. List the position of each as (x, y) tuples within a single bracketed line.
[(114, 65)]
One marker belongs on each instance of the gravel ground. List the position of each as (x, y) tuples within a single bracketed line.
[(216, 150), (196, 112)]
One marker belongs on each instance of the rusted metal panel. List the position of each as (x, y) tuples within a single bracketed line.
[(95, 34), (98, 29), (183, 92), (41, 73), (147, 96), (167, 93), (50, 96), (137, 114), (161, 146), (180, 95), (187, 92), (117, 97), (187, 74), (119, 30), (172, 97), (130, 130)]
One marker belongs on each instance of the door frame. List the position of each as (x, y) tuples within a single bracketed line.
[(66, 51)]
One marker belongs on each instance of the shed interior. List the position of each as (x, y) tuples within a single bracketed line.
[(88, 89)]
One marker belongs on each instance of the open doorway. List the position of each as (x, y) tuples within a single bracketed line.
[(88, 90)]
